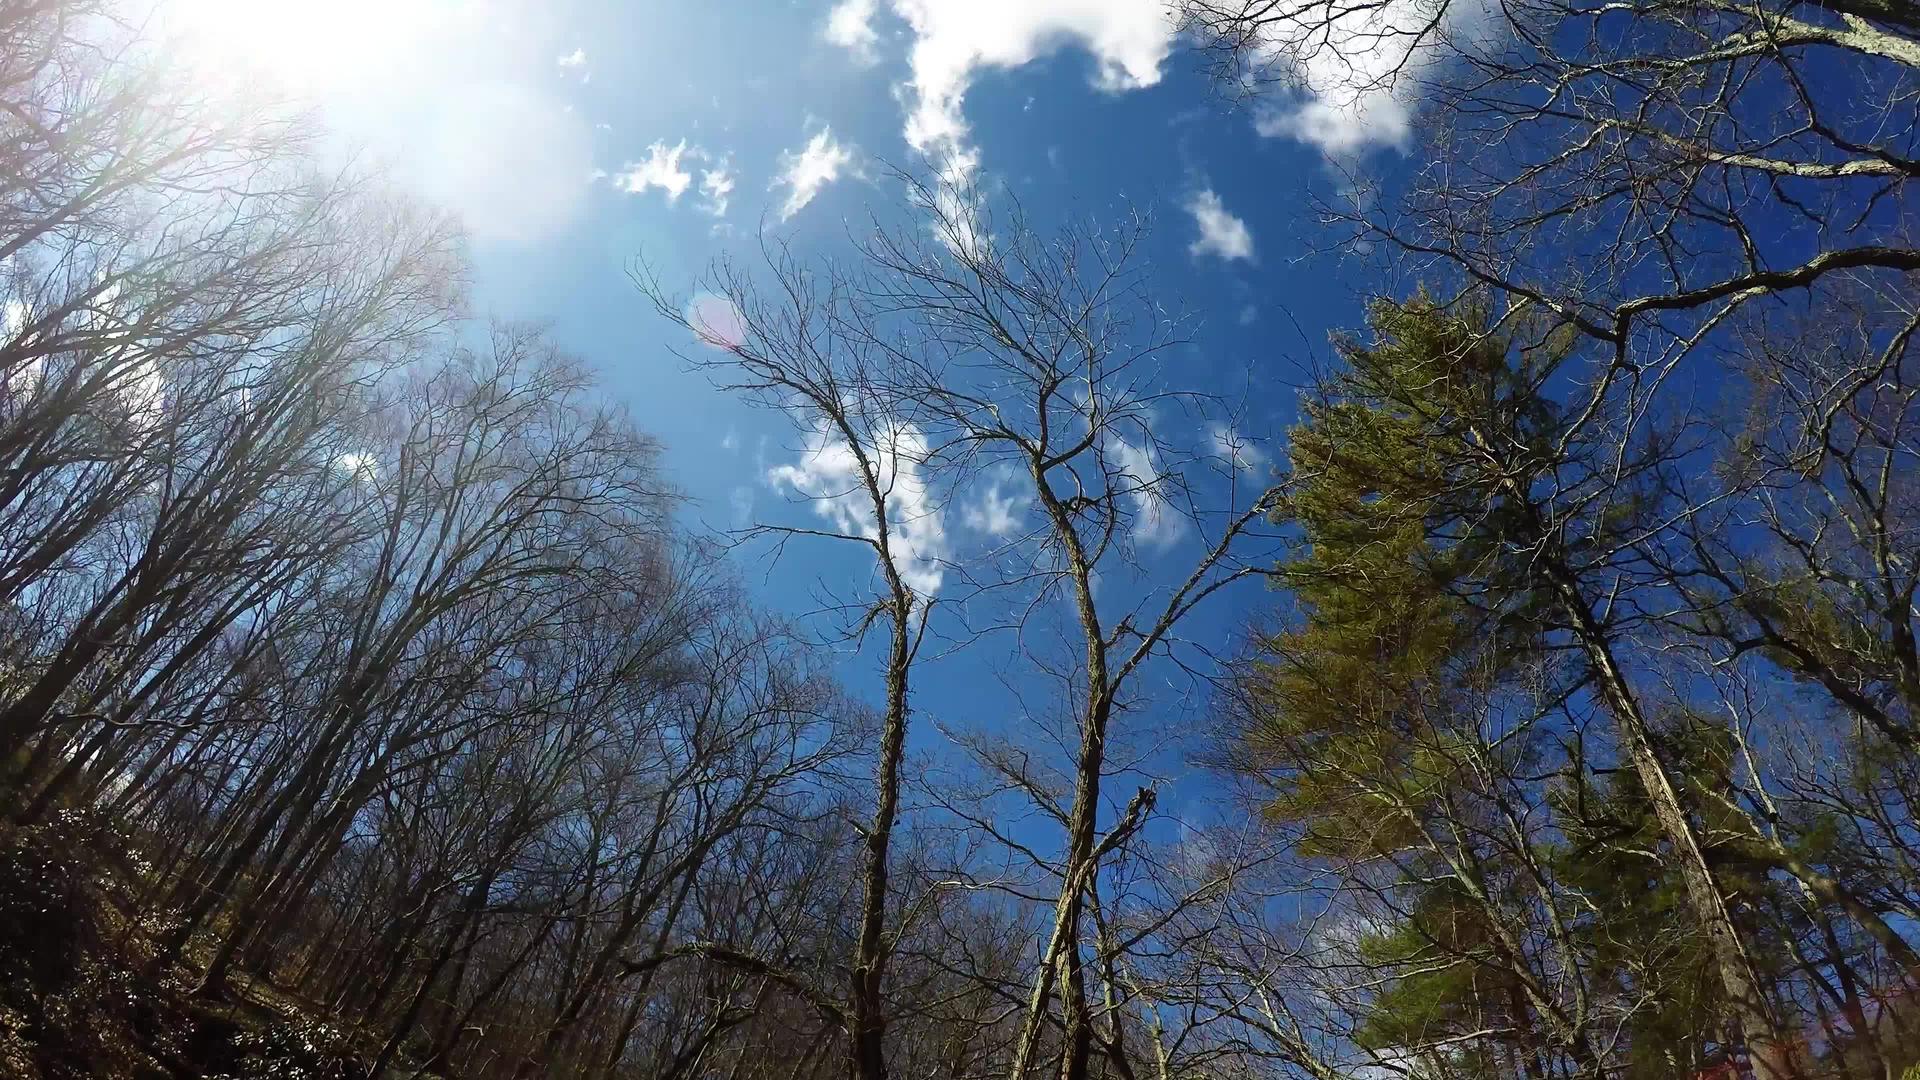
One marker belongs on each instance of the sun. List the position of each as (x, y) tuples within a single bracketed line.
[(302, 48)]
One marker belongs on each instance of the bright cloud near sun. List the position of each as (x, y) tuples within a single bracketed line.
[(955, 40), (805, 171)]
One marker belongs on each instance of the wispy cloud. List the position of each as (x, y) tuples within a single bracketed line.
[(805, 171), (575, 59), (994, 511), (670, 169), (1235, 448), (716, 186), (740, 501)]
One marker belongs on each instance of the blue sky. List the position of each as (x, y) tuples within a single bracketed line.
[(574, 137)]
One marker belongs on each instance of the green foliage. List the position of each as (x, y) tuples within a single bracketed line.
[(1400, 512), (1428, 483), (1445, 988), (1639, 938), (1406, 490)]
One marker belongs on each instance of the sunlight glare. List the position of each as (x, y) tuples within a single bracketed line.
[(302, 48)]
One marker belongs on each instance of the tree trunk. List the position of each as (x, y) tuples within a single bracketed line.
[(867, 1009), (1752, 1013)]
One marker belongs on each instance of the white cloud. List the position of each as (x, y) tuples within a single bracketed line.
[(805, 171), (1356, 70), (828, 475), (716, 185), (730, 442), (671, 169), (1351, 70), (1221, 233), (575, 59), (850, 25), (1234, 448), (1157, 522), (994, 513), (955, 39), (1341, 126), (660, 169)]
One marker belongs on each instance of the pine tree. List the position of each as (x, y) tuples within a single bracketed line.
[(1453, 529)]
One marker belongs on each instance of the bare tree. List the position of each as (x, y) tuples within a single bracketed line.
[(796, 349), (1043, 353), (1025, 360)]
